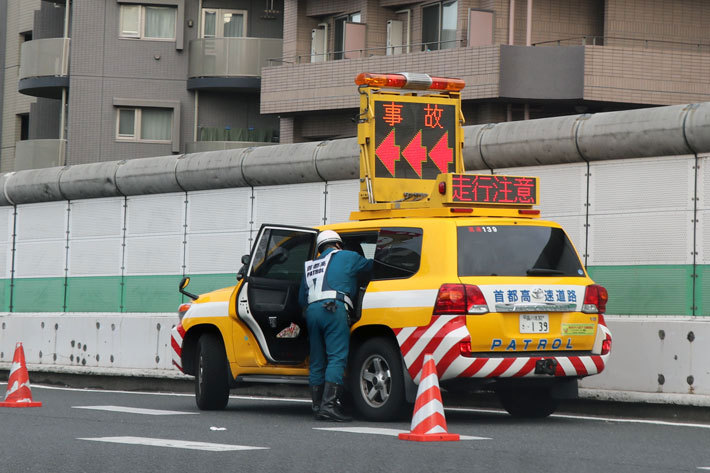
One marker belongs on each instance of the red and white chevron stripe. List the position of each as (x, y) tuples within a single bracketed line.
[(443, 336), (176, 337)]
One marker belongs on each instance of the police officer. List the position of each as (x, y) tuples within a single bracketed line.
[(328, 290)]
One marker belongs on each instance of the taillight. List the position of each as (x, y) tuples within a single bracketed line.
[(595, 298), (182, 309), (606, 345), (460, 299)]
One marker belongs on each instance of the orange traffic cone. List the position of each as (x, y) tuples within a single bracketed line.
[(18, 385), (428, 421)]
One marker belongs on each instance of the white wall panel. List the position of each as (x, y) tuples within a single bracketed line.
[(298, 204), (95, 257), (563, 188), (40, 259), (6, 221), (5, 261), (155, 214), (154, 255), (6, 224), (342, 198), (654, 184), (96, 218), (704, 183), (219, 210), (216, 252), (641, 238), (44, 221)]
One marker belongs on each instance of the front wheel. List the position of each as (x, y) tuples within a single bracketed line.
[(528, 402), (211, 384), (377, 380)]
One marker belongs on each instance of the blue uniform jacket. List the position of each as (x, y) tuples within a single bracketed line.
[(341, 275)]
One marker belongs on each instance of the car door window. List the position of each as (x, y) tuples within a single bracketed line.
[(398, 253), (280, 255)]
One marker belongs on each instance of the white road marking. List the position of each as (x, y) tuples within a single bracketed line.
[(135, 410), (460, 409), (704, 468), (382, 431), (171, 443)]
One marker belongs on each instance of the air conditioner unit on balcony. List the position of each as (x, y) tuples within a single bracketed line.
[(319, 38), (394, 37)]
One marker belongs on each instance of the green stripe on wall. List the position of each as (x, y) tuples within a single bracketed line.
[(151, 293), (646, 289), (201, 283), (103, 294), (4, 295), (38, 295), (633, 290), (94, 294), (702, 290)]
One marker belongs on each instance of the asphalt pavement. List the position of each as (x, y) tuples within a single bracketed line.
[(84, 430)]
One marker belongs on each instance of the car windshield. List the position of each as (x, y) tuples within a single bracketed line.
[(516, 250)]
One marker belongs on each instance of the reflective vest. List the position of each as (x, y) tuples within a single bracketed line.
[(318, 288)]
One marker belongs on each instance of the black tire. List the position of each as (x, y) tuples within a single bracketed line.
[(530, 403), (376, 380), (211, 371)]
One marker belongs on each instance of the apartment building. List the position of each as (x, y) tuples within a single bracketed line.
[(98, 80), (520, 58)]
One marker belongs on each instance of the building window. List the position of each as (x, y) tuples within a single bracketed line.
[(439, 25), (148, 22), (221, 23), (144, 124), (340, 33)]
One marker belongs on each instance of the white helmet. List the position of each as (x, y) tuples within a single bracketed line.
[(327, 236)]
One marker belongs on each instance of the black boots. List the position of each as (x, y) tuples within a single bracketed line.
[(331, 407), (316, 397)]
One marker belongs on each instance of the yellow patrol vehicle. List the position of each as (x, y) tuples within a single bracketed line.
[(465, 270)]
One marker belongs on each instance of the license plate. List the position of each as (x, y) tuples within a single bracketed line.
[(534, 323)]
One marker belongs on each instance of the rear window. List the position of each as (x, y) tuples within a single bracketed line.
[(516, 250)]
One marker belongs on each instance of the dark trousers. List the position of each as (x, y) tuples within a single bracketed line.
[(329, 336)]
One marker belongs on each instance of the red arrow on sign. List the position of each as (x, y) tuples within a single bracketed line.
[(441, 154), (415, 153), (388, 152)]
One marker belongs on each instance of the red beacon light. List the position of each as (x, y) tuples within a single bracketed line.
[(409, 80)]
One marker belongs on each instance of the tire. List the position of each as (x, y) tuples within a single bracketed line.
[(211, 371), (376, 380), (529, 403)]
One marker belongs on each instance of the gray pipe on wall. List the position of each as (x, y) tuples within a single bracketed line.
[(648, 132)]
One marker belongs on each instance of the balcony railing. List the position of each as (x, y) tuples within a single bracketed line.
[(45, 57), (369, 52), (231, 57), (35, 154), (633, 43)]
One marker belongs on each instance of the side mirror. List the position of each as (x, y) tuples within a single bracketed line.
[(183, 284), (245, 265)]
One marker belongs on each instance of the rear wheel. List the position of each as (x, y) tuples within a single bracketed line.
[(528, 402), (211, 383), (377, 380)]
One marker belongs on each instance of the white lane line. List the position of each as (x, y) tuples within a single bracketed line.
[(170, 443), (704, 468), (382, 431), (460, 409), (593, 418), (135, 410)]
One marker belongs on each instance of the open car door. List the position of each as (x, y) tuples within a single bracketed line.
[(268, 300)]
